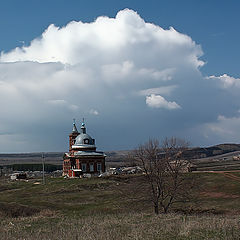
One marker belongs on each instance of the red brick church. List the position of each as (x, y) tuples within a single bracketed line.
[(82, 156)]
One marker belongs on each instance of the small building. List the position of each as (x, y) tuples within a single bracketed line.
[(82, 157), (17, 176)]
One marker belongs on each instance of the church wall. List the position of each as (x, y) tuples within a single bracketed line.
[(76, 163)]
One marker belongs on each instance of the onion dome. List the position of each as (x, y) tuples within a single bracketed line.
[(74, 130), (83, 140)]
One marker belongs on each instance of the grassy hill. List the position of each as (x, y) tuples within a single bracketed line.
[(203, 152), (116, 208)]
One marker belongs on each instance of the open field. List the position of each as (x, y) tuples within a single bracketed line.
[(222, 162), (122, 226), (116, 208)]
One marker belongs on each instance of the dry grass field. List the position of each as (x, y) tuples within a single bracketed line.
[(48, 225), (116, 208)]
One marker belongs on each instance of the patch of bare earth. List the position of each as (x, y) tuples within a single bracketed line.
[(232, 176), (218, 195)]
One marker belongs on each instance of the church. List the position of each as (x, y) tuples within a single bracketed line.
[(82, 156)]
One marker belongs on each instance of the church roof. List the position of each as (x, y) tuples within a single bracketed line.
[(87, 153), (83, 140)]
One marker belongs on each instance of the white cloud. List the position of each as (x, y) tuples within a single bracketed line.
[(225, 129), (124, 38), (165, 90), (57, 102), (115, 65), (63, 103), (73, 107), (94, 112), (226, 81), (157, 101)]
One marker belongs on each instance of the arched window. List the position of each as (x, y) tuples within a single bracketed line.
[(99, 167)]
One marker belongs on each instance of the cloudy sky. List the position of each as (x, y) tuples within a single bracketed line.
[(132, 69)]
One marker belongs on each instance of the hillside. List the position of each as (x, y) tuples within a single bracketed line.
[(116, 208), (195, 153)]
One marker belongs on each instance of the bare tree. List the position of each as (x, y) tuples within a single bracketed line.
[(165, 171)]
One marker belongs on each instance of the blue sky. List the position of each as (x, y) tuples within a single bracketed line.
[(204, 110)]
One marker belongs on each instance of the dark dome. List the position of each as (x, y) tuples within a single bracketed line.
[(83, 140)]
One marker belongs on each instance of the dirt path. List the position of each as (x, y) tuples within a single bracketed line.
[(228, 174), (232, 176), (213, 194)]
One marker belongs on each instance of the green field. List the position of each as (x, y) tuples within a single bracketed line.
[(116, 208)]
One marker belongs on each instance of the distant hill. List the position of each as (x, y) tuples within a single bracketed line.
[(195, 153), (16, 158), (114, 158)]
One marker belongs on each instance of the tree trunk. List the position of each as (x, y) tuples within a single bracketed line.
[(156, 209), (165, 209)]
